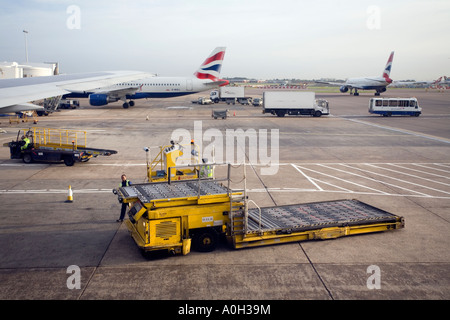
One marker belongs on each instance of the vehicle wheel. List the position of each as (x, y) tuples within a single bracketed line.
[(317, 113), (205, 240), (280, 113), (125, 105), (27, 158), (131, 103), (417, 114), (68, 161)]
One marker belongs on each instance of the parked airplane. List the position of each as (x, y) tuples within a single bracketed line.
[(378, 84), (443, 84), (205, 78), (416, 83), (17, 94)]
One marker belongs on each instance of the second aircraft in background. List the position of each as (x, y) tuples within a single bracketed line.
[(205, 78), (378, 84)]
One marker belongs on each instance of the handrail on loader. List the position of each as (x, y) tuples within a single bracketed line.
[(59, 137), (169, 157)]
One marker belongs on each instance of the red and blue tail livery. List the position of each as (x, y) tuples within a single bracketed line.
[(210, 68), (387, 69)]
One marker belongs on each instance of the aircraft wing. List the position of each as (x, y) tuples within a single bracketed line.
[(16, 93), (220, 82), (331, 83), (118, 92), (411, 82)]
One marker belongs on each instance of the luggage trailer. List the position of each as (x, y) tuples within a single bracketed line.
[(53, 145)]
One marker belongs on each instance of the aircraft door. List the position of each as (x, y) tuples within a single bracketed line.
[(189, 85)]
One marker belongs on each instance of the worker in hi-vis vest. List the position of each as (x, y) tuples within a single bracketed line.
[(26, 141), (124, 183), (206, 171)]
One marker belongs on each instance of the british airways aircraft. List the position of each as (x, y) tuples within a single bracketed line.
[(205, 78), (378, 84), (16, 95)]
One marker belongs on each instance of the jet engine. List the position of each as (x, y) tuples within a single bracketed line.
[(97, 99), (343, 89)]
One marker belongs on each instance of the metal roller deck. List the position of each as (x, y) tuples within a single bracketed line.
[(300, 217), (313, 221), (163, 191)]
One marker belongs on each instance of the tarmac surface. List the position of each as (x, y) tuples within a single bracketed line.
[(398, 164)]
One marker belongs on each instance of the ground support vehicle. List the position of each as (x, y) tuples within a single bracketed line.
[(203, 100), (171, 216), (54, 145), (230, 95), (50, 105), (219, 114), (24, 117), (395, 106), (173, 162), (281, 103), (68, 104), (257, 102)]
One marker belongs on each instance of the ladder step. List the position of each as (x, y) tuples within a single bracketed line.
[(237, 197)]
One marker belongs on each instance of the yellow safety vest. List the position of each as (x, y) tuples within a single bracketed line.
[(206, 171), (27, 142), (127, 183)]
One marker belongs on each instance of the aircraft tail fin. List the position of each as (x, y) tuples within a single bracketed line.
[(210, 68), (387, 68)]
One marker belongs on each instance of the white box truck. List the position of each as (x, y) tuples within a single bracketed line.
[(281, 103), (230, 95)]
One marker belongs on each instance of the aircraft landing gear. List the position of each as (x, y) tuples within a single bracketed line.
[(356, 92), (126, 104)]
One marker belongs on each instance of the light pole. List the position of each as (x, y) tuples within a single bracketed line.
[(26, 45)]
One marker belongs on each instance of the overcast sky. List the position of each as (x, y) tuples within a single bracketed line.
[(264, 38)]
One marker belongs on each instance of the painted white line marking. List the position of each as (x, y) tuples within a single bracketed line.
[(421, 165), (407, 174), (408, 168), (346, 181), (309, 179), (376, 180)]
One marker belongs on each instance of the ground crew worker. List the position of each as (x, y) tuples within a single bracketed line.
[(206, 171), (124, 183), (194, 153), (26, 141)]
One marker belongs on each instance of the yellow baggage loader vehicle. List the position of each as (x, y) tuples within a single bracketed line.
[(173, 215)]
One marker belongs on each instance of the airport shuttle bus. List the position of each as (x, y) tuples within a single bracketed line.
[(395, 106)]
